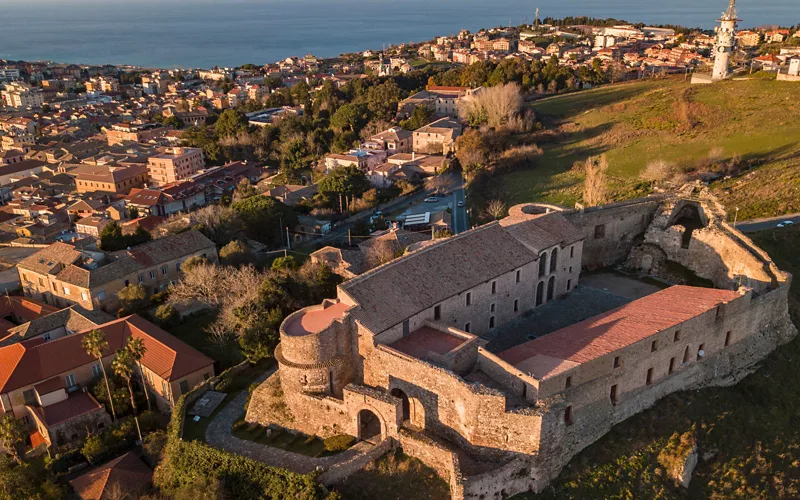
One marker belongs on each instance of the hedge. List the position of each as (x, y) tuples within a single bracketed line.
[(185, 462), (340, 442)]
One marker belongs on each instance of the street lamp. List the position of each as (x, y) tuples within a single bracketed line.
[(736, 217)]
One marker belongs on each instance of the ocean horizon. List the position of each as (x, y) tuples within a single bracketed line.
[(207, 33)]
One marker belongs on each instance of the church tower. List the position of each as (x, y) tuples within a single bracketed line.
[(726, 32)]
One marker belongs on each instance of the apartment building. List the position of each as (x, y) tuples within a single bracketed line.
[(63, 274), (175, 164), (110, 179), (22, 95)]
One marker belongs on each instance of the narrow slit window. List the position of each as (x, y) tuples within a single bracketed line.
[(727, 339), (649, 376), (613, 395)]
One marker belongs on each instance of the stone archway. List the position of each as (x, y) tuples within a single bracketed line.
[(540, 293), (551, 288), (369, 426), (406, 404)]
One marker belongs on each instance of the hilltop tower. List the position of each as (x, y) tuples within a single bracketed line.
[(726, 32)]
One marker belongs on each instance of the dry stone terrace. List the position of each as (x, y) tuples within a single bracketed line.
[(487, 348)]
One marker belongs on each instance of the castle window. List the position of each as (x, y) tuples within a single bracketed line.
[(653, 346), (568, 415), (518, 276), (613, 395), (671, 365), (494, 287), (677, 336), (524, 390), (569, 284), (466, 327), (516, 305), (491, 308), (568, 383), (491, 322), (572, 253), (542, 264), (599, 231), (469, 299), (727, 339), (437, 312), (553, 260), (649, 376), (617, 362), (685, 355), (701, 351)]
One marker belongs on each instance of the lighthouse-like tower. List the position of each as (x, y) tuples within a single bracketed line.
[(726, 32)]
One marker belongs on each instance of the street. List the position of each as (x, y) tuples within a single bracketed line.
[(752, 226)]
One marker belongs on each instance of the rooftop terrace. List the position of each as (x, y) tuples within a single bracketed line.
[(426, 339), (314, 319)]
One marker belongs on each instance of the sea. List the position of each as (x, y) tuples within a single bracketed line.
[(227, 33)]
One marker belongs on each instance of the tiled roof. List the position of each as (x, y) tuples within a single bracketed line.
[(32, 361), (146, 197), (615, 329), (402, 288), (47, 259), (128, 471), (75, 318), (544, 231)]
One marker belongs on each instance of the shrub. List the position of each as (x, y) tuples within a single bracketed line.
[(61, 463), (166, 316), (339, 442), (160, 297)]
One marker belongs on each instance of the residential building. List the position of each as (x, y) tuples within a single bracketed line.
[(134, 132), (175, 164), (443, 100), (102, 84), (365, 159), (125, 473), (110, 179), (63, 274), (91, 226), (394, 140), (438, 137), (44, 383), (22, 95), (292, 194)]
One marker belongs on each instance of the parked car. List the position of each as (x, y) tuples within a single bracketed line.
[(460, 203), (787, 223), (431, 199)]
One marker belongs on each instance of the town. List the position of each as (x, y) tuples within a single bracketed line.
[(286, 279)]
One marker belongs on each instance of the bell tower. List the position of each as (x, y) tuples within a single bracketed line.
[(726, 32)]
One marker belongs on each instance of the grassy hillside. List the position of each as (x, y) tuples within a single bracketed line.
[(748, 435), (755, 123)]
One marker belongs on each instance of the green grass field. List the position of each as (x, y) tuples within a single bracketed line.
[(633, 124)]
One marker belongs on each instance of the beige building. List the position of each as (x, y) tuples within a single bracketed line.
[(437, 138), (22, 95), (44, 381), (62, 274), (394, 140), (109, 179), (103, 84), (175, 164)]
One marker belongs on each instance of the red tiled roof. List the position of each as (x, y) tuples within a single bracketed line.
[(77, 404), (49, 385), (128, 471), (35, 360), (423, 340), (621, 327)]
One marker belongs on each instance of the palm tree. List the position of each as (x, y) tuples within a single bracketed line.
[(12, 436), (123, 366), (136, 346), (95, 344)]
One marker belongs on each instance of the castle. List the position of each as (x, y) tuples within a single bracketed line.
[(447, 351)]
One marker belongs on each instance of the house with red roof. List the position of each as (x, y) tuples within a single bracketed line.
[(45, 383), (126, 473)]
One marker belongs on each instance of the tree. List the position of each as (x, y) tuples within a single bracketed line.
[(350, 117), (493, 106), (123, 365), (111, 237), (472, 151), (12, 436), (349, 180), (219, 224), (288, 262), (167, 317), (382, 99), (200, 137), (595, 185), (496, 209), (137, 349), (174, 122), (95, 344), (420, 116), (236, 253), (132, 298), (133, 212), (244, 190), (265, 218)]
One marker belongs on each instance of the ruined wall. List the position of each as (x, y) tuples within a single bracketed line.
[(611, 231), (439, 458)]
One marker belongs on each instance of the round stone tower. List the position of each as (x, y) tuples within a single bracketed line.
[(314, 355)]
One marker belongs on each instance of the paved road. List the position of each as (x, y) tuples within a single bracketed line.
[(460, 220), (751, 226)]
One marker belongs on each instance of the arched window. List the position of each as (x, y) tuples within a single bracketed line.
[(540, 293), (551, 287), (553, 260), (543, 264)]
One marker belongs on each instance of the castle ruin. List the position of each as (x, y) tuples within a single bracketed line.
[(447, 353)]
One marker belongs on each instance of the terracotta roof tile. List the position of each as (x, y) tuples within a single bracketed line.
[(618, 328), (128, 471)]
